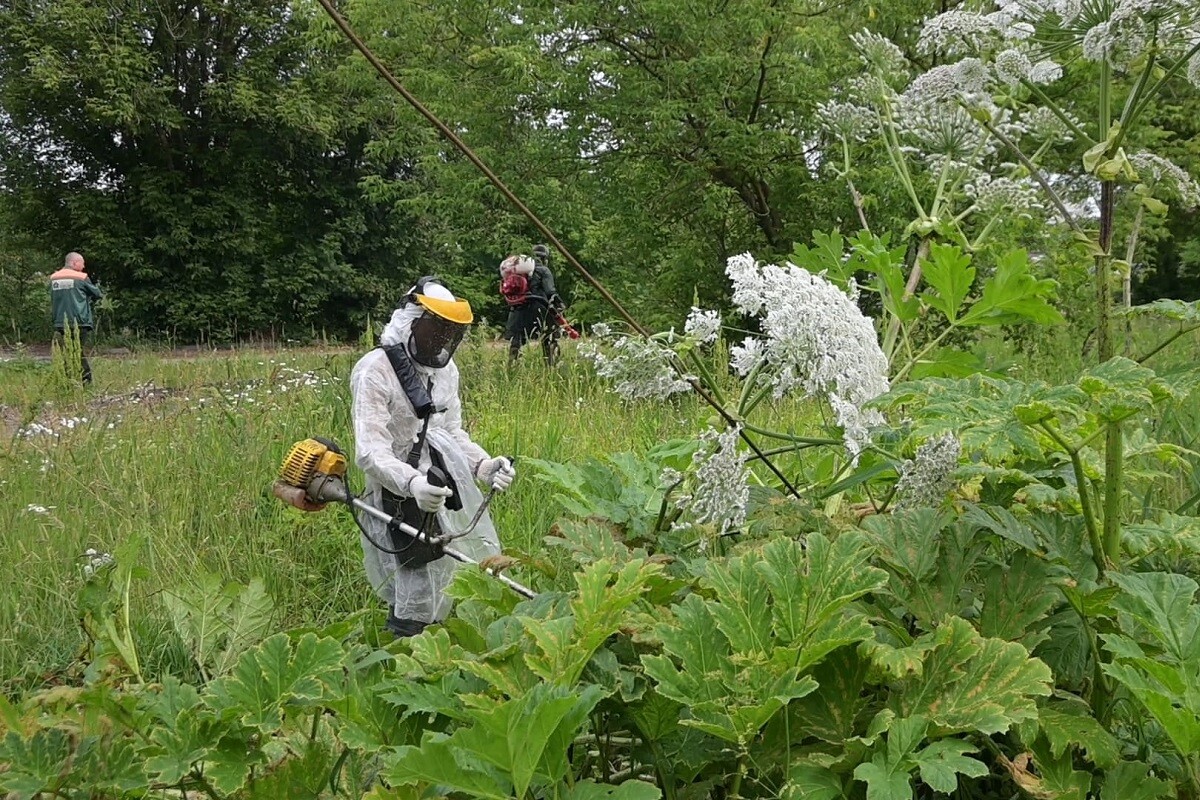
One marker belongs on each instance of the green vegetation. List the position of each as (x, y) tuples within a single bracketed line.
[(178, 454)]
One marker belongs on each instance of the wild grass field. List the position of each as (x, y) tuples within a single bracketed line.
[(175, 456)]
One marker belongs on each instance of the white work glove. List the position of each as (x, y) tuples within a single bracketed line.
[(429, 498), (497, 472)]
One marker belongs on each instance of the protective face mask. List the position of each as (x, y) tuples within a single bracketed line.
[(433, 340)]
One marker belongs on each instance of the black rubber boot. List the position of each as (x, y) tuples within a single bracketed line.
[(404, 627)]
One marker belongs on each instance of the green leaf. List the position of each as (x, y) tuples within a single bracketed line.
[(884, 781), (1163, 603), (943, 761), (950, 274), (909, 541), (1059, 778), (887, 773), (947, 362), (275, 674), (655, 716), (812, 589), (1013, 295), (510, 742), (434, 762), (831, 713), (806, 782), (629, 790), (1017, 597), (247, 621), (1179, 310), (34, 765), (1119, 388), (1062, 729), (181, 743), (229, 763), (1131, 780), (599, 610), (969, 683), (732, 692), (1164, 691)]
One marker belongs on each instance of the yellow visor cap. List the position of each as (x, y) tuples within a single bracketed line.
[(451, 310)]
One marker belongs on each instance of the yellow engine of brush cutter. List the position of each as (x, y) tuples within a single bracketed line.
[(312, 474)]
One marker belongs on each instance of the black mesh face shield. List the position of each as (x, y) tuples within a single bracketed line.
[(434, 339)]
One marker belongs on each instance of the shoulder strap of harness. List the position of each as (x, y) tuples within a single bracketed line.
[(417, 393)]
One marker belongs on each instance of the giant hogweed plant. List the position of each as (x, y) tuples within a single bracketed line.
[(970, 139)]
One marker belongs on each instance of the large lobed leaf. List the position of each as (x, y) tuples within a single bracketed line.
[(275, 674), (733, 661), (961, 681)]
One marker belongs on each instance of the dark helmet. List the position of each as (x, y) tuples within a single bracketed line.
[(542, 253)]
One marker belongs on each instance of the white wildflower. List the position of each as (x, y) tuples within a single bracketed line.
[(1045, 71), (817, 339), (95, 561), (1013, 66), (848, 121), (722, 481), (702, 325), (745, 356), (1043, 123), (999, 195), (637, 368), (925, 478), (1031, 11), (947, 82), (1154, 169), (35, 429), (1118, 44), (879, 53), (959, 32), (669, 477)]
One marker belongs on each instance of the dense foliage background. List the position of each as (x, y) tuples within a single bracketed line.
[(234, 169)]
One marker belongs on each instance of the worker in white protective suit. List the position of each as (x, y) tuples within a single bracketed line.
[(409, 439)]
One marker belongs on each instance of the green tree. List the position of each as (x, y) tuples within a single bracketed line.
[(198, 155), (657, 138)]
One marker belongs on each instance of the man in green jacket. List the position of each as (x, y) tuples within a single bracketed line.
[(71, 296)]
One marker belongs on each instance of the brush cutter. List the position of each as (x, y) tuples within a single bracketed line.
[(313, 473)]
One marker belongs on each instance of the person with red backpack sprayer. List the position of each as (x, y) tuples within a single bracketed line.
[(535, 308)]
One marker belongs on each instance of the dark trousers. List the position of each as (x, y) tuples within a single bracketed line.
[(85, 340), (531, 321)]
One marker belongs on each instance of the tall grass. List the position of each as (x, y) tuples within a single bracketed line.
[(178, 454)]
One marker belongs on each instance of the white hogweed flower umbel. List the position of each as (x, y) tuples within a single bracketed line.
[(848, 121), (998, 195), (959, 32), (925, 478), (879, 53), (722, 481), (637, 367), (816, 339), (703, 325), (1153, 169)]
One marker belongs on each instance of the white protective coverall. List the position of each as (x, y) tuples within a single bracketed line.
[(385, 428)]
